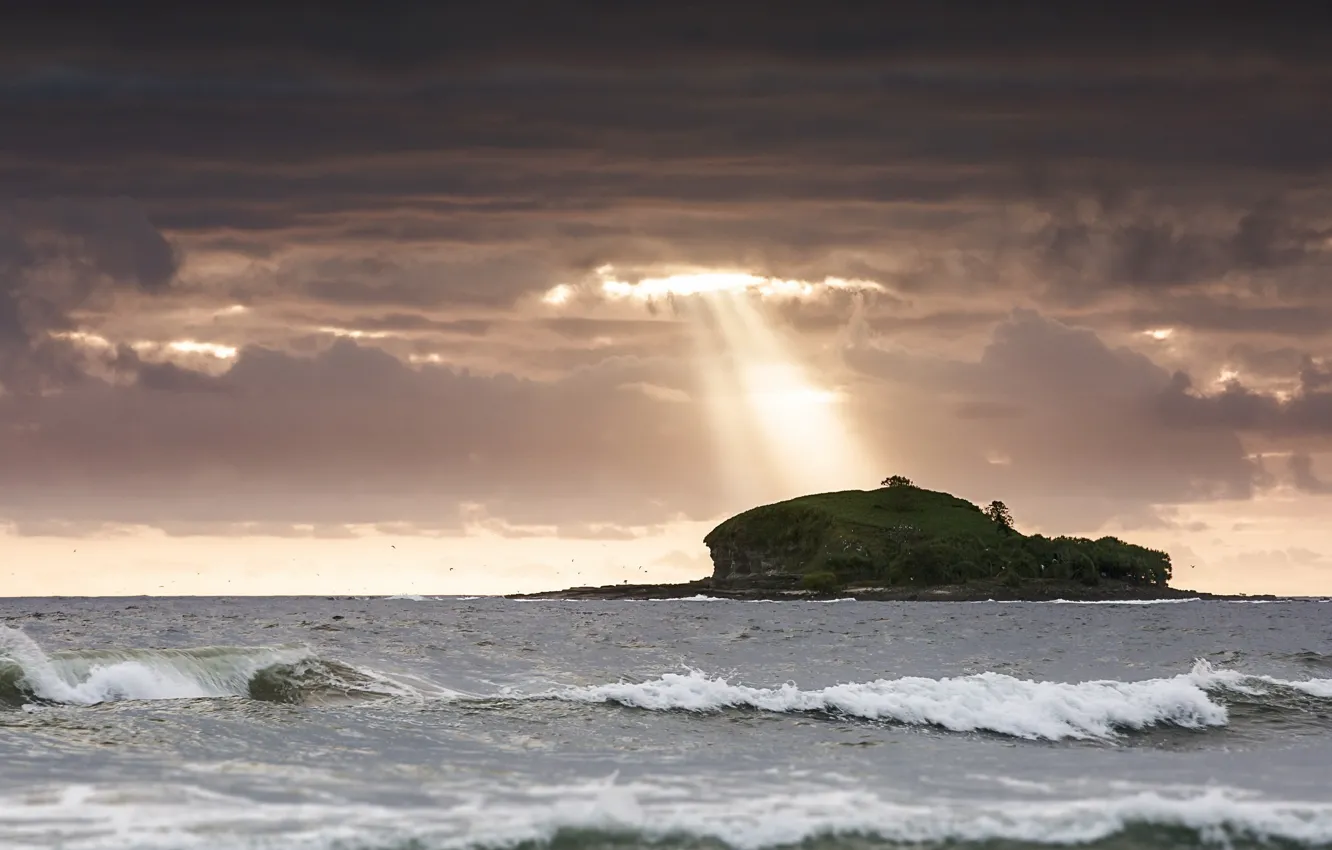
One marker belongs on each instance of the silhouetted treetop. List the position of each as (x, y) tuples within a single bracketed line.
[(998, 513)]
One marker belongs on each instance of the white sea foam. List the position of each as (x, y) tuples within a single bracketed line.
[(92, 676), (1125, 601), (85, 678), (698, 597), (990, 702), (89, 677), (92, 818), (1210, 677), (1315, 687)]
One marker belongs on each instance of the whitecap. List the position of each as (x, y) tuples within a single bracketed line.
[(94, 818), (992, 702)]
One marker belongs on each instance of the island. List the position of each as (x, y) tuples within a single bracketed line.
[(903, 542)]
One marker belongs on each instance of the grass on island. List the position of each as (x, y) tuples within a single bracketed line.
[(905, 535)]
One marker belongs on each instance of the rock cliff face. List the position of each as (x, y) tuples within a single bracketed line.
[(751, 565), (766, 544), (732, 560)]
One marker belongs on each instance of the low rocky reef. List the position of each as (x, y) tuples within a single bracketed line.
[(973, 591), (901, 543)]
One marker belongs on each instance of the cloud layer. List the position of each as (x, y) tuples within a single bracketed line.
[(289, 269)]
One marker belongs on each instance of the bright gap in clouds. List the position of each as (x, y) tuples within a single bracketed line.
[(212, 349), (715, 283), (176, 346), (779, 430)]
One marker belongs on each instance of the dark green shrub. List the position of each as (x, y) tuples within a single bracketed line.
[(1084, 569), (851, 566), (821, 582)]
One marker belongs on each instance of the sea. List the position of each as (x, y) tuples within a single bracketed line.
[(443, 722)]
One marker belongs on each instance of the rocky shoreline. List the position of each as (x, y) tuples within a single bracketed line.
[(975, 591)]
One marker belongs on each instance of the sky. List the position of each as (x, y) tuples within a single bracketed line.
[(483, 298)]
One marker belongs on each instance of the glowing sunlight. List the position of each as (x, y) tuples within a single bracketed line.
[(778, 432), (799, 426), (713, 283)]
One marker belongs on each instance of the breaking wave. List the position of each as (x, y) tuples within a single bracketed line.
[(986, 702), (1205, 697), (1312, 659), (643, 815), (289, 674)]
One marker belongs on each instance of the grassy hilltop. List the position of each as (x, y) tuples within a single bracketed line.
[(902, 535)]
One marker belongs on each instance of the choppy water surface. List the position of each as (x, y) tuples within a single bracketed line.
[(423, 723)]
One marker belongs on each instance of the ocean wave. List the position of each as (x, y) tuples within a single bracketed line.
[(1312, 659), (985, 702), (289, 674), (1125, 601), (991, 702), (1256, 684), (640, 814)]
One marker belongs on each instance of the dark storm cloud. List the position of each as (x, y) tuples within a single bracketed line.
[(417, 322), (418, 170), (1314, 376), (165, 377), (57, 257), (942, 322), (759, 135), (639, 89), (1303, 475), (736, 130), (1136, 252), (583, 329), (1231, 315), (374, 281), (353, 435), (411, 36), (1063, 423), (1307, 411), (1266, 363)]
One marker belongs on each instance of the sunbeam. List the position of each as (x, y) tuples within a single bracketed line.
[(778, 431), (797, 426)]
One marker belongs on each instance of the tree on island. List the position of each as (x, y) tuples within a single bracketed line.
[(896, 481), (999, 515)]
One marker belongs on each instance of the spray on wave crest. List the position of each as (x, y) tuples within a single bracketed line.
[(986, 702), (28, 674)]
